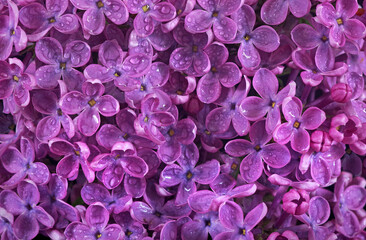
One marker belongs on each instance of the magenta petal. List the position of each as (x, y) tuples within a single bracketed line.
[(198, 21), (6, 88), (224, 29), (355, 197), (28, 192), (21, 96), (110, 54), (47, 76), (299, 8), (171, 176), (229, 74), (251, 167), (11, 202), (348, 8), (94, 192), (319, 210), (89, 121), (231, 215), (239, 147), (305, 36), (43, 217), (97, 216), (163, 11), (49, 50), (218, 120), (136, 65), (301, 141), (248, 55), (324, 57), (112, 231), (185, 189), (78, 53), (255, 216), (208, 89), (240, 124), (276, 155), (112, 176), (200, 201), (135, 186), (274, 12), (32, 15), (26, 226), (254, 108), (67, 23), (48, 128), (39, 173), (135, 166), (13, 161), (94, 21), (206, 172), (312, 118), (169, 151), (108, 135), (108, 105), (143, 25), (265, 83), (181, 59), (73, 102), (354, 29), (60, 146), (116, 11), (68, 166), (265, 38), (291, 108), (141, 212)]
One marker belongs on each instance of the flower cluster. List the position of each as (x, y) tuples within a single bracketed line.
[(182, 119)]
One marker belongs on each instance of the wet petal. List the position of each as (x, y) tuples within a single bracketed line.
[(136, 65), (276, 155), (200, 201), (231, 215), (43, 217), (208, 89), (67, 23), (265, 38), (13, 161), (116, 11), (94, 21), (299, 8), (28, 192), (78, 53), (135, 186), (112, 176), (49, 50), (251, 167), (319, 210), (32, 15), (224, 29), (265, 83), (229, 74), (254, 108), (89, 121), (255, 216), (312, 118), (239, 147), (320, 171), (218, 120), (97, 216), (274, 12), (354, 29), (171, 176), (206, 172), (47, 76), (163, 11), (305, 36), (11, 202), (26, 226), (300, 141), (108, 105), (48, 128), (135, 166), (39, 173), (68, 166), (143, 25), (355, 197), (198, 21)]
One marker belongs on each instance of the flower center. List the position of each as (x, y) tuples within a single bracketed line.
[(145, 8), (99, 235), (213, 69), (246, 37), (208, 132), (296, 124), (243, 232), (92, 102), (125, 136), (117, 74), (77, 153), (179, 11), (189, 175), (128, 233), (179, 92), (208, 222), (51, 20), (273, 104), (12, 127), (12, 32), (195, 48), (215, 14), (171, 132), (59, 112), (157, 214), (324, 38), (234, 166), (62, 65), (146, 119), (100, 4), (257, 148), (142, 88), (15, 78), (339, 21)]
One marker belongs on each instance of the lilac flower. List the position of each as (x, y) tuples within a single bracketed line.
[(183, 7), (121, 159), (295, 128), (201, 226), (187, 173), (231, 216), (60, 63), (254, 108), (11, 33), (264, 38), (285, 235), (116, 67), (179, 87), (36, 16), (74, 155), (22, 164), (319, 212), (339, 22), (51, 200), (191, 57), (148, 12), (173, 229), (132, 229), (24, 204), (296, 201), (222, 73), (251, 168), (46, 102), (93, 17), (118, 202), (214, 13), (91, 103), (6, 224), (219, 119), (14, 82), (95, 227), (274, 12)]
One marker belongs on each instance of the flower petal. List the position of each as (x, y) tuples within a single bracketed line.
[(198, 21), (276, 155), (49, 50), (231, 215), (94, 21), (239, 147), (26, 226), (274, 12), (108, 106), (265, 38), (255, 216), (206, 172), (116, 11), (171, 176), (89, 121), (39, 173), (312, 118), (47, 76), (97, 216), (319, 210), (11, 202), (78, 53), (251, 167)]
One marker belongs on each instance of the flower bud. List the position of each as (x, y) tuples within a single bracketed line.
[(193, 106), (341, 92), (320, 141), (296, 202)]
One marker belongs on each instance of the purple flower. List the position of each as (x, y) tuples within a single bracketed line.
[(91, 103), (339, 22), (95, 227), (27, 224), (116, 202), (231, 216), (60, 63), (296, 201), (51, 200), (264, 38), (255, 108), (274, 12), (183, 7), (187, 173), (132, 229), (74, 155), (295, 129), (15, 83), (22, 164), (173, 229), (285, 235), (148, 12), (36, 16), (93, 17), (11, 33), (118, 68), (214, 13), (191, 57), (179, 87), (122, 159), (222, 73), (273, 154), (46, 102)]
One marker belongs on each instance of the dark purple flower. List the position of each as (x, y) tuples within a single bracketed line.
[(36, 16), (273, 154), (60, 63), (132, 229), (179, 87), (93, 17), (296, 201), (24, 204), (91, 103), (183, 7), (6, 225), (22, 164), (214, 13), (95, 226)]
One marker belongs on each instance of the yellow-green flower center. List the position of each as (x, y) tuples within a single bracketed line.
[(171, 132), (296, 124), (145, 8), (15, 78), (189, 175), (339, 21), (92, 102), (195, 48), (246, 37), (100, 4)]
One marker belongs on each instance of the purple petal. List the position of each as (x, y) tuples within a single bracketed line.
[(312, 118), (113, 175), (135, 166), (355, 197), (245, 19), (136, 65), (171, 176), (231, 215), (49, 50), (97, 71), (283, 133), (208, 88), (68, 166), (324, 57), (276, 155), (319, 210), (265, 38), (110, 53), (94, 21), (228, 7), (255, 216), (181, 59), (274, 12), (224, 29), (13, 161), (248, 55), (258, 135), (73, 79), (185, 189), (305, 36), (78, 230), (60, 146), (28, 192), (135, 186), (21, 96), (206, 172), (58, 186), (6, 88), (143, 25), (94, 192), (89, 121), (200, 201), (169, 151), (32, 15), (113, 231), (108, 106), (11, 202), (251, 167), (218, 120), (229, 74), (47, 76), (299, 8), (67, 23), (320, 171), (78, 53), (240, 124), (265, 83), (239, 147), (347, 8), (43, 217), (26, 226), (39, 173), (354, 29), (301, 141), (116, 11), (198, 21), (48, 128), (292, 108), (142, 212), (163, 11), (97, 216)]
